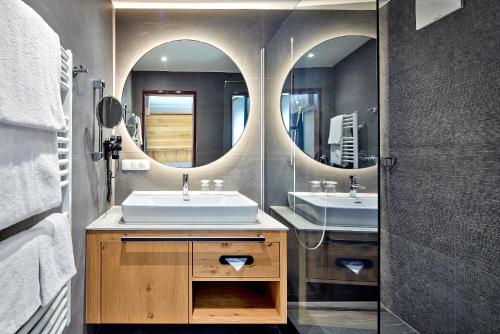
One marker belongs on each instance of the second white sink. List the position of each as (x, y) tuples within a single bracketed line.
[(170, 207), (336, 209)]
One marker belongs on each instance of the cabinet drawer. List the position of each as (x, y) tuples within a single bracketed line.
[(209, 259), (332, 262)]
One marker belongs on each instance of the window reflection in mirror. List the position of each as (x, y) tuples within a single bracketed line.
[(240, 106), (169, 131), (301, 113)]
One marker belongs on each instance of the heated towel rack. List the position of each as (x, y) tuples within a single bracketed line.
[(350, 140), (54, 317)]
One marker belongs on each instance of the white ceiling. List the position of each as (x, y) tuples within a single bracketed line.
[(186, 56), (331, 52), (248, 4)]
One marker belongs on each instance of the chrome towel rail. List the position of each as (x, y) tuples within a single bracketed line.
[(258, 238)]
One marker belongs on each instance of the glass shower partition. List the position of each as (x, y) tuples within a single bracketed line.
[(321, 154)]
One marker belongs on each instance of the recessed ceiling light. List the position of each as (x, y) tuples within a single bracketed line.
[(163, 58), (310, 55)]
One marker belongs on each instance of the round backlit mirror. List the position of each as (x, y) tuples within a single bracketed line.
[(329, 102), (109, 112), (188, 103)]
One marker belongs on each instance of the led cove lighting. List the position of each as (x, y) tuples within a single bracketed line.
[(235, 4), (246, 4)]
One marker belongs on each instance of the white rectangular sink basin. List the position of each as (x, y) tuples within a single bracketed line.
[(337, 209), (170, 207)]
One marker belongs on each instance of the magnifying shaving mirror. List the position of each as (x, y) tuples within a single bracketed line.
[(109, 112)]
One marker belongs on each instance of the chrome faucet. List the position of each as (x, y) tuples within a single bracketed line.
[(354, 186), (185, 187)]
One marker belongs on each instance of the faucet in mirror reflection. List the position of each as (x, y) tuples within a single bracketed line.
[(185, 187), (354, 186)]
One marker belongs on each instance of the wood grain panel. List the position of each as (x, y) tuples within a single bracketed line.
[(169, 131), (234, 303), (171, 155), (206, 259), (93, 279), (145, 282), (282, 292)]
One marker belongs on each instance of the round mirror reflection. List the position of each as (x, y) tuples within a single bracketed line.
[(186, 103), (329, 102), (109, 112)]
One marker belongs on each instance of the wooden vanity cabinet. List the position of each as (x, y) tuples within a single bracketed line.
[(181, 282), (144, 282)]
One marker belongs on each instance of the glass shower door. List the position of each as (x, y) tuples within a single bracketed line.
[(321, 151)]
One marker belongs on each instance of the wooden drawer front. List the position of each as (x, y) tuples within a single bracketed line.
[(207, 255), (325, 263), (145, 282)]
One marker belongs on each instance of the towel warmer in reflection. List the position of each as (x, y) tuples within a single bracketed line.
[(350, 140), (54, 317)]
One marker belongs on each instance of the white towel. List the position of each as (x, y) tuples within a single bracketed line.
[(336, 130), (57, 263), (336, 154), (335, 139), (19, 281), (138, 131), (29, 170), (30, 69)]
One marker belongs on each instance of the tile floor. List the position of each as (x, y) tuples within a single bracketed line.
[(314, 321), (390, 324)]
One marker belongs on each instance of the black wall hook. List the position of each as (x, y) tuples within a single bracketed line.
[(77, 70)]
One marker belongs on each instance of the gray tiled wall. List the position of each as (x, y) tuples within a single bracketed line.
[(85, 27), (441, 205)]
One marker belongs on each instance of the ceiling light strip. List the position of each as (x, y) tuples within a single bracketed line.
[(206, 5)]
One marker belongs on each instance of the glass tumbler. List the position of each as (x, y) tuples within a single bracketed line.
[(315, 186), (205, 185), (219, 185), (330, 187)]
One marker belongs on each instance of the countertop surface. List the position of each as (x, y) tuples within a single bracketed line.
[(112, 220), (302, 224)]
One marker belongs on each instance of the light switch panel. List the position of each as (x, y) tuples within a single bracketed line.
[(430, 11), (135, 164)]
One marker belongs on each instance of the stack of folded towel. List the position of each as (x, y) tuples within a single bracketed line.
[(19, 279), (30, 113), (34, 266)]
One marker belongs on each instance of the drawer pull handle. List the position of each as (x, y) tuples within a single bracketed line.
[(249, 259), (341, 262), (258, 238)]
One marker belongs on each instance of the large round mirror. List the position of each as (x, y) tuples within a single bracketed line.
[(109, 112), (186, 103), (329, 102)]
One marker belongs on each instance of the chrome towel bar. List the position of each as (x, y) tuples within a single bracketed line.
[(258, 238)]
